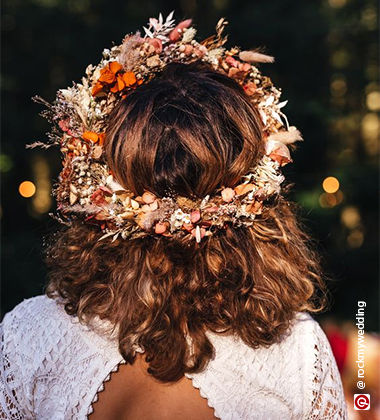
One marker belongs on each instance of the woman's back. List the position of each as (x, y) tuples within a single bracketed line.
[(56, 368), (131, 393)]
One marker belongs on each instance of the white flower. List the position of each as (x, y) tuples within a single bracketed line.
[(158, 28), (179, 214), (178, 223), (189, 35)]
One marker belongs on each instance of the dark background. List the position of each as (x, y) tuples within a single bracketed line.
[(326, 64)]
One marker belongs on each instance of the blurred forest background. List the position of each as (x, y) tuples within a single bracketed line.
[(326, 64)]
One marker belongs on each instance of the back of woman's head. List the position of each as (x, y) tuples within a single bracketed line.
[(187, 132)]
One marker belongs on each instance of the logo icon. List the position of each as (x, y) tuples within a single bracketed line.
[(362, 401)]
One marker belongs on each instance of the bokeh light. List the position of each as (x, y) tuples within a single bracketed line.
[(373, 101), (370, 128), (330, 184), (338, 86), (6, 163), (337, 3), (27, 189), (355, 238), (350, 217), (327, 200), (42, 200)]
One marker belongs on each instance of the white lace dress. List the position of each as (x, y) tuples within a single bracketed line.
[(52, 367)]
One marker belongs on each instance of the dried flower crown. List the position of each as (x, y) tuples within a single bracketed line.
[(86, 188)]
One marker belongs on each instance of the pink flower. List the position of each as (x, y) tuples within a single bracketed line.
[(237, 68), (64, 125), (148, 197), (250, 88), (195, 216), (161, 227), (106, 190), (200, 234), (232, 61), (278, 152), (176, 33), (228, 194), (97, 198), (156, 43), (244, 67)]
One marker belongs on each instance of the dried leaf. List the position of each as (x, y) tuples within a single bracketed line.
[(287, 136), (255, 57)]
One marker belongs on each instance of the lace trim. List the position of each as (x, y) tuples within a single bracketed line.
[(100, 388), (197, 385)]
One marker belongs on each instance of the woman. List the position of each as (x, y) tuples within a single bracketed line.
[(181, 285)]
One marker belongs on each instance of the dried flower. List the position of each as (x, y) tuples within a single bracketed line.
[(176, 33), (228, 194), (87, 187)]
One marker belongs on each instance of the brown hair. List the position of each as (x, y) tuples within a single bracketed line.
[(189, 131)]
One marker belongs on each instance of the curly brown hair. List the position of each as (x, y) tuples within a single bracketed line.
[(189, 131)]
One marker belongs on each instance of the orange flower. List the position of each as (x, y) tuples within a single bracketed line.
[(119, 85), (108, 73), (114, 66), (116, 81), (101, 138), (129, 78), (97, 88), (108, 76), (94, 137), (124, 80)]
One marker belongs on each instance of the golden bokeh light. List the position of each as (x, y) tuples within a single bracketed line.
[(369, 17), (355, 239), (340, 59), (327, 200), (337, 3), (339, 196), (27, 189), (373, 101), (338, 86), (370, 128), (330, 184), (42, 201), (350, 217)]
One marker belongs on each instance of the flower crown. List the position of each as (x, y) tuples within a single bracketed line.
[(86, 188)]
